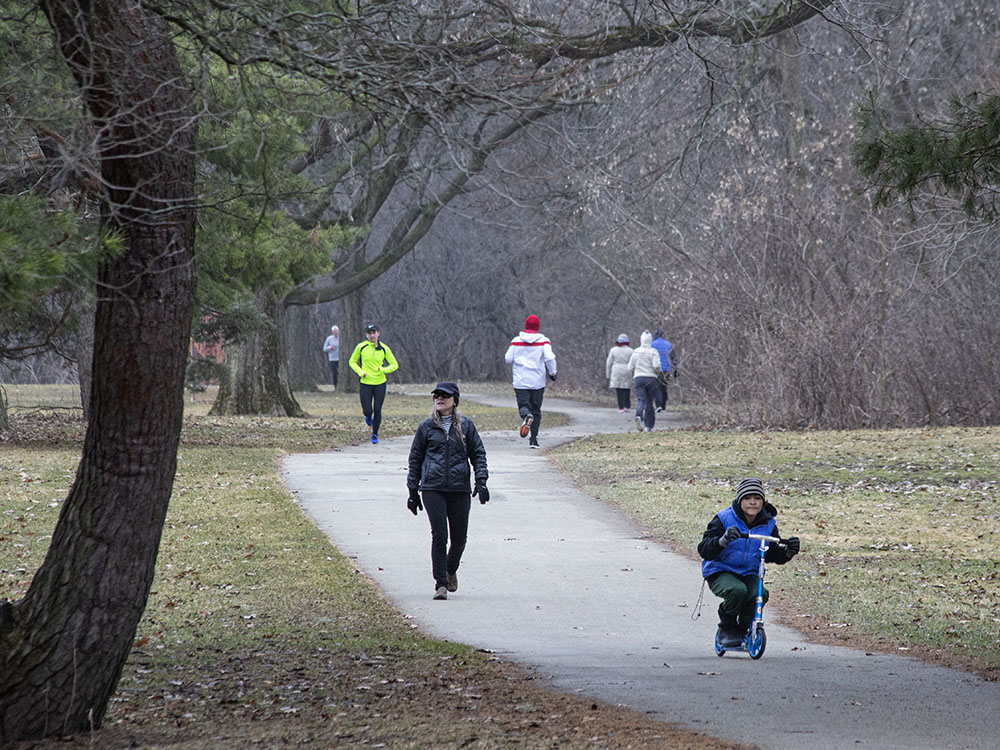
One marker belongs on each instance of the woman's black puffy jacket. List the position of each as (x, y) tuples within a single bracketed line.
[(441, 462)]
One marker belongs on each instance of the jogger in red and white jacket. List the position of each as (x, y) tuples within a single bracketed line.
[(531, 357)]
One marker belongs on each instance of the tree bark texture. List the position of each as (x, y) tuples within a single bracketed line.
[(352, 331), (258, 370), (63, 646), (85, 354), (4, 415)]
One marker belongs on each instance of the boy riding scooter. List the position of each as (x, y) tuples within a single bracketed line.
[(731, 561)]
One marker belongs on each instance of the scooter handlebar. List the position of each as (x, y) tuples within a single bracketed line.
[(772, 539)]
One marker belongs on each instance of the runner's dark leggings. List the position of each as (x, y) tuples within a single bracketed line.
[(529, 401), (372, 397), (448, 513)]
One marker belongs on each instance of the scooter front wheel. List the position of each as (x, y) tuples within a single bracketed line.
[(756, 643), (719, 650)]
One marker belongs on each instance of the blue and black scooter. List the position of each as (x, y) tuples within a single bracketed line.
[(755, 640)]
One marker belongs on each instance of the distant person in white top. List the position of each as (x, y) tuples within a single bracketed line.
[(531, 357), (644, 366), (332, 348), (616, 369)]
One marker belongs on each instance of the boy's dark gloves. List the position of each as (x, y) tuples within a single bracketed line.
[(552, 378), (731, 535), (414, 503), (484, 494), (792, 546)]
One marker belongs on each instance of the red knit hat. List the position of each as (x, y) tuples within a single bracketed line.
[(531, 323)]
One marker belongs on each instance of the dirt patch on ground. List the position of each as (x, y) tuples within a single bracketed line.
[(280, 699)]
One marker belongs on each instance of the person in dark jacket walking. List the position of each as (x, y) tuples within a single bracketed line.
[(730, 563), (444, 447)]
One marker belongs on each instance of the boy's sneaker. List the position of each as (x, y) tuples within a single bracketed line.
[(533, 443), (441, 593), (526, 425), (730, 638), (453, 581), (368, 420), (374, 439), (638, 424)]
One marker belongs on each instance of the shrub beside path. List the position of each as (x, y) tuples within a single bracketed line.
[(562, 583)]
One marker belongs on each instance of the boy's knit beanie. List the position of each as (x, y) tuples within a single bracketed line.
[(531, 323), (750, 486)]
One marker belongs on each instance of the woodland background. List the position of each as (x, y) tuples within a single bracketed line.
[(708, 190)]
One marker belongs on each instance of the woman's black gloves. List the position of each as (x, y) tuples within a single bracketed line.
[(484, 494), (414, 503)]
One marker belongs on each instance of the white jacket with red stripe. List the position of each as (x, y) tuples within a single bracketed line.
[(531, 355)]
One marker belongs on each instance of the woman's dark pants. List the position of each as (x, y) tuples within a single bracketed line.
[(624, 397), (645, 394), (448, 513)]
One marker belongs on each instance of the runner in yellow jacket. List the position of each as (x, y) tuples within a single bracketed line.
[(372, 361)]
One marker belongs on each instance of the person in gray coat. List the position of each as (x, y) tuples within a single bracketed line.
[(616, 369)]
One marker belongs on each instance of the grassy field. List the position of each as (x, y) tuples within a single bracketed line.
[(900, 529), (259, 632)]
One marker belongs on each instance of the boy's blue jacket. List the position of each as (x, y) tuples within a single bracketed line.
[(741, 556)]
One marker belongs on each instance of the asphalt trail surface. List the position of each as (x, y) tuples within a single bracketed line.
[(562, 583)]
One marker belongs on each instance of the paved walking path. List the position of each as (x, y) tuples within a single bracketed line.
[(558, 581)]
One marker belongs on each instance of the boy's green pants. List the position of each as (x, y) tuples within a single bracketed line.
[(739, 599)]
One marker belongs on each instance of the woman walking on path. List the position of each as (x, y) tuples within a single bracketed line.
[(372, 361), (444, 447), (616, 369), (643, 366)]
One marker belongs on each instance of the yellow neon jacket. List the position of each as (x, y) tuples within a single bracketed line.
[(372, 364)]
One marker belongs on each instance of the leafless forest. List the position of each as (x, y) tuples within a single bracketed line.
[(712, 195), (707, 190)]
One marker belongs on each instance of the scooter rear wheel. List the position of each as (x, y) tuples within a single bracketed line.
[(719, 650), (756, 643)]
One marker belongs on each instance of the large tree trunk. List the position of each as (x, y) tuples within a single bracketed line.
[(304, 336), (352, 330), (258, 370), (63, 646)]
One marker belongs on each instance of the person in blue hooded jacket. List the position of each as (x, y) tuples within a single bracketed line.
[(730, 563)]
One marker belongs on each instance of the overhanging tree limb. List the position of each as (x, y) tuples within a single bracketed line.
[(418, 220)]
